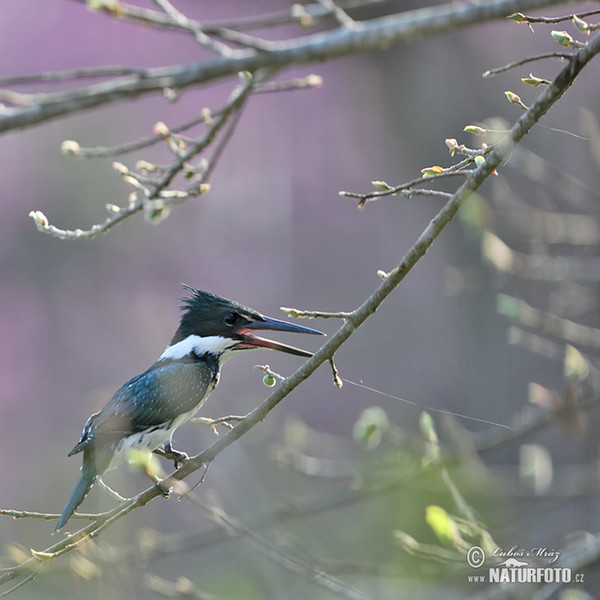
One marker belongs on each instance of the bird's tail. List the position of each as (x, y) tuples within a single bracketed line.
[(86, 481)]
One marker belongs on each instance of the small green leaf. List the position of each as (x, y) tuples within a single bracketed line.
[(427, 427), (562, 38), (371, 426), (534, 81), (576, 366), (475, 130), (508, 306), (442, 525), (156, 211)]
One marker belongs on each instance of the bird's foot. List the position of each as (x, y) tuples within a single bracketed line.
[(168, 452)]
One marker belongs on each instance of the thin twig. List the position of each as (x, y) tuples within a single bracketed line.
[(303, 14), (524, 61), (458, 171), (26, 514), (298, 83), (340, 14), (82, 73), (29, 577), (550, 20), (201, 37), (295, 564), (295, 313)]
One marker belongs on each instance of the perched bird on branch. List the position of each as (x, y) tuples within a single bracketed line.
[(144, 413)]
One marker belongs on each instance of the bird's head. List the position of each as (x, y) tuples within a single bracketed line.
[(215, 325)]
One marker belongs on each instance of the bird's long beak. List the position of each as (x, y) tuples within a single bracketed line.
[(267, 323)]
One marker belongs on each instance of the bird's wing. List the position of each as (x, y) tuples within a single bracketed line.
[(153, 398)]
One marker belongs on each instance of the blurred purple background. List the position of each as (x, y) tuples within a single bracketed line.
[(80, 318)]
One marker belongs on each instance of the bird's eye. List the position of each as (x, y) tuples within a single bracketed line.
[(230, 318)]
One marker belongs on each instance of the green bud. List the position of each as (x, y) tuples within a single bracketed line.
[(381, 185), (518, 17), (534, 81), (475, 130), (110, 6), (513, 98), (427, 427), (156, 211), (269, 380), (581, 24), (576, 366), (430, 171), (562, 38), (452, 145)]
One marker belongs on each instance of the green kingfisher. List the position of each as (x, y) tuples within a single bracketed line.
[(145, 411)]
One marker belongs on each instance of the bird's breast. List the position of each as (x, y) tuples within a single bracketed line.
[(165, 400)]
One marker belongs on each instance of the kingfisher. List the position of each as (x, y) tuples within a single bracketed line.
[(145, 411)]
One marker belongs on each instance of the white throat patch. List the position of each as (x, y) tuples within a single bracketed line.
[(212, 344)]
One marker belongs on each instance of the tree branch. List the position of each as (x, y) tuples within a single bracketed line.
[(24, 110), (154, 196)]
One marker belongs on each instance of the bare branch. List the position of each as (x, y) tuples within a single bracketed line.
[(340, 14), (83, 73), (31, 109), (273, 552), (551, 20), (297, 83), (405, 188), (158, 198), (524, 61)]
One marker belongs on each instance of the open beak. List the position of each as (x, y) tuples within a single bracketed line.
[(252, 341)]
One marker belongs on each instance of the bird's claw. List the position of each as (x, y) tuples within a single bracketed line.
[(168, 452)]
